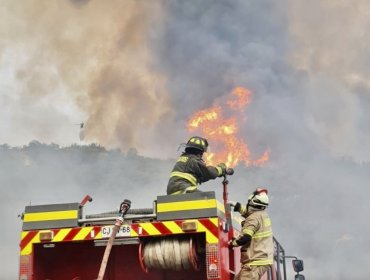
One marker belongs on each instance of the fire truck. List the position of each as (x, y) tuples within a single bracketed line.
[(180, 237)]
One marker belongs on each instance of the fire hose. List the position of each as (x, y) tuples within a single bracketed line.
[(124, 207), (169, 253)]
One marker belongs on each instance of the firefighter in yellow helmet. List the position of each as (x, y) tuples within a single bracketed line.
[(256, 240), (190, 169)]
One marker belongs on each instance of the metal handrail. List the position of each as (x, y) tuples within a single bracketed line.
[(280, 260)]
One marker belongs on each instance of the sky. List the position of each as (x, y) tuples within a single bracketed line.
[(135, 71)]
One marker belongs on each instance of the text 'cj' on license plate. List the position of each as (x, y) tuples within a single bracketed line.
[(125, 230)]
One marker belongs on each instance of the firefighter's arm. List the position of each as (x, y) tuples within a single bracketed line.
[(238, 207), (207, 173), (241, 240), (221, 169), (250, 227)]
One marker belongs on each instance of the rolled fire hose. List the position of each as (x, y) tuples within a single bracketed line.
[(115, 213), (170, 253)]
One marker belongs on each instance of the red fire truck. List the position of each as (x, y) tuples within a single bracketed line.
[(180, 237)]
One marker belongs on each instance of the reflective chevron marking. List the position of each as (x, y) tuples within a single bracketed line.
[(208, 225)]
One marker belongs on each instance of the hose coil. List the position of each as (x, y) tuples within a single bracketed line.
[(169, 253)]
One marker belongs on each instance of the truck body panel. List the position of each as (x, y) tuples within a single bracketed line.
[(50, 250)]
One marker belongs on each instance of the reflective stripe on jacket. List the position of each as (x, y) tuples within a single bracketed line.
[(189, 171), (260, 251)]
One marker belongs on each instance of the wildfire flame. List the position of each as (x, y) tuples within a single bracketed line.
[(222, 132)]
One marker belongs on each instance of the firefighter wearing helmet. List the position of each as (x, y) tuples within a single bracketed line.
[(190, 169), (256, 240)]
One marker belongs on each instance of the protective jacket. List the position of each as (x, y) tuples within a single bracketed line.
[(189, 171), (260, 250)]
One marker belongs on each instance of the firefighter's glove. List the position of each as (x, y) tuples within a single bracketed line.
[(221, 168), (242, 223), (232, 243), (232, 203), (237, 207)]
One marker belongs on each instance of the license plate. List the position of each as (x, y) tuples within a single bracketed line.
[(125, 230)]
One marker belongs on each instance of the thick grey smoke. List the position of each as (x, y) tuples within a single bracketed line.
[(135, 72), (79, 61), (331, 48)]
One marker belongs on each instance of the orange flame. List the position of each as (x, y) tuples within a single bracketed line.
[(243, 98), (222, 132)]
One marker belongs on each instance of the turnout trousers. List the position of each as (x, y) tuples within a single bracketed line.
[(251, 272)]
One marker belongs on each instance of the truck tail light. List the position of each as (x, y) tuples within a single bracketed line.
[(25, 268), (213, 257), (46, 235), (189, 226)]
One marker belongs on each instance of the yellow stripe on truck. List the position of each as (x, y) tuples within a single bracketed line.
[(50, 216), (83, 232), (210, 238), (173, 227), (61, 235), (150, 229), (28, 249), (186, 205), (220, 206)]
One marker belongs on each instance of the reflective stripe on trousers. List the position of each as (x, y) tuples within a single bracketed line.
[(187, 190)]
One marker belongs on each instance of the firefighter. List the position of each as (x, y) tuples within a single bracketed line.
[(256, 240), (190, 169)]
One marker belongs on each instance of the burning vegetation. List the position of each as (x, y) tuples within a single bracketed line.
[(220, 124)]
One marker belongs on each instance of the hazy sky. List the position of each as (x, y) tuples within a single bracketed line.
[(135, 71)]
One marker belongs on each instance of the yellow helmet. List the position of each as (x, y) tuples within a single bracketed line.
[(198, 143)]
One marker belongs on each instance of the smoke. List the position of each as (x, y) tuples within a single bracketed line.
[(331, 48), (311, 115), (134, 71), (40, 174), (129, 64), (83, 60)]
